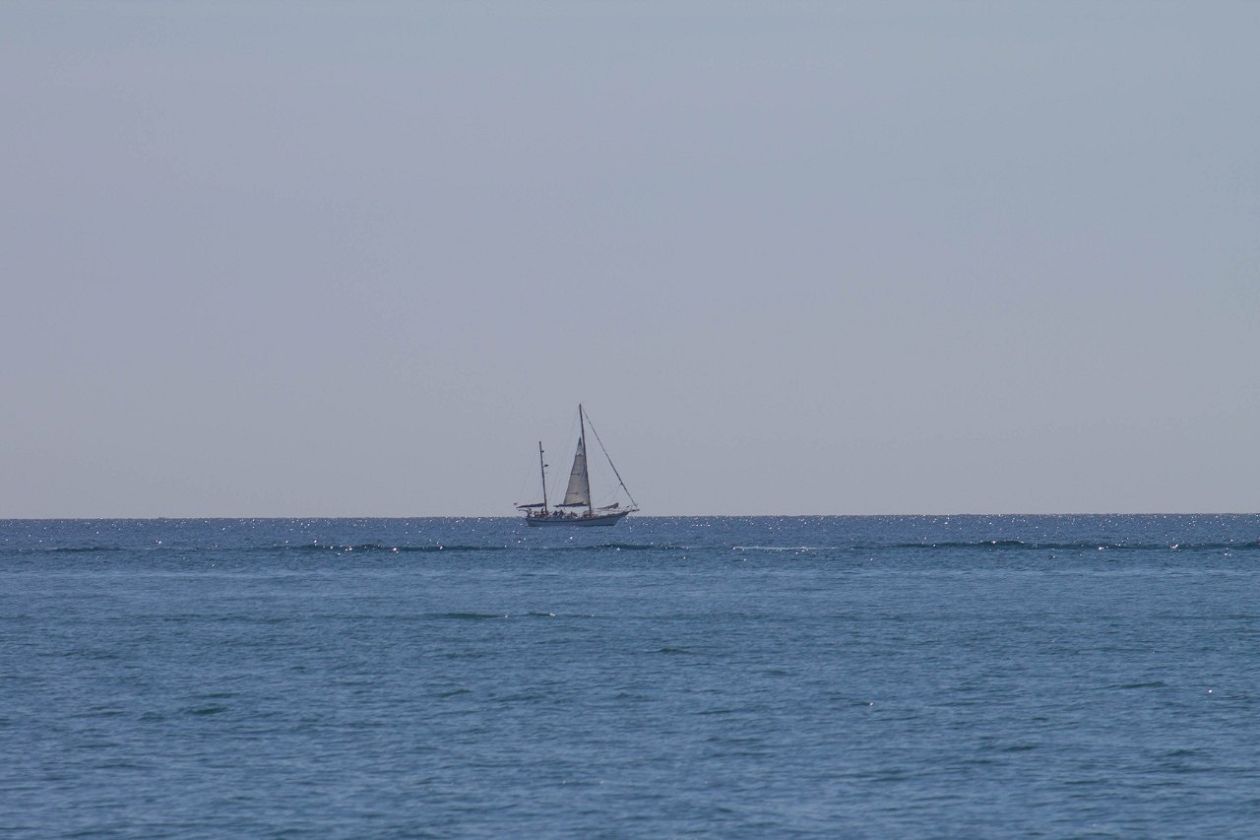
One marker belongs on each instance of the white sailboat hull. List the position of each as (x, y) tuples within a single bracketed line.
[(604, 519)]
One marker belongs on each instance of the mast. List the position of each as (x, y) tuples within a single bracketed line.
[(590, 503), (542, 468)]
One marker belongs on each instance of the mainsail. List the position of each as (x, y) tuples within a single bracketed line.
[(579, 490)]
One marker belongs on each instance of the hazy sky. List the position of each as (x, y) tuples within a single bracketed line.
[(356, 259)]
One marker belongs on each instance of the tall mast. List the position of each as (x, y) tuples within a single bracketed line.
[(590, 503), (542, 468)]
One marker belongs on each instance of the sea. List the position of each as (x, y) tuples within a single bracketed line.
[(741, 677)]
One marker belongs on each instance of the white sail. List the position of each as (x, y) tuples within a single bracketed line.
[(579, 491)]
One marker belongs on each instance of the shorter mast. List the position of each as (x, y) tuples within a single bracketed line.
[(542, 469)]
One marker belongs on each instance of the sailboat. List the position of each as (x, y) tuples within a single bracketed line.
[(578, 494)]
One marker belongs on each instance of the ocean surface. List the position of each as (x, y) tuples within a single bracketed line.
[(963, 676)]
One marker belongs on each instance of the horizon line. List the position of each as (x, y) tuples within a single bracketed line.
[(271, 517)]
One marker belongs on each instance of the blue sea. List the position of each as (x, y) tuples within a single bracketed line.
[(963, 676)]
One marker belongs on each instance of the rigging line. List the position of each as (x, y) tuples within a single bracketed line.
[(610, 461)]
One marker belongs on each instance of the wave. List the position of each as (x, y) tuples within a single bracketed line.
[(468, 616), (346, 548), (67, 549), (1079, 545), (434, 547), (376, 547), (1010, 545), (424, 549), (281, 547)]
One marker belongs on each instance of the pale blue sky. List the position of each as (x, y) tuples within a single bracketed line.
[(355, 259)]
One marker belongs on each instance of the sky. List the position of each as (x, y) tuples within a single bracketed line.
[(357, 259)]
